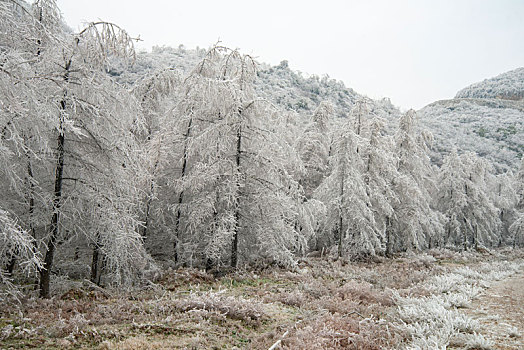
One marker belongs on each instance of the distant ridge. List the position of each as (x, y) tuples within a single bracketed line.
[(507, 86), (486, 118)]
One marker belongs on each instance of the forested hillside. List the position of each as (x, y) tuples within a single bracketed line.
[(492, 128), (486, 118), (280, 84)]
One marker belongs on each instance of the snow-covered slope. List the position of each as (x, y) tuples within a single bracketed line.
[(486, 118), (291, 90), (508, 86), (160, 57), (295, 91), (492, 128)]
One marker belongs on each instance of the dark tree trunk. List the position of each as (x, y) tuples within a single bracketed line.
[(147, 214), (50, 252), (181, 194), (210, 262), (31, 199), (234, 247), (476, 237), (340, 237), (95, 264), (11, 265), (388, 237), (45, 271), (210, 265), (465, 236), (143, 230)]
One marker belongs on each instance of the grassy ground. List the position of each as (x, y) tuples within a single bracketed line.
[(324, 304)]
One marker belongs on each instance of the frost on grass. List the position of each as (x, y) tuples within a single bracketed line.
[(430, 322), (478, 342), (335, 331), (434, 321)]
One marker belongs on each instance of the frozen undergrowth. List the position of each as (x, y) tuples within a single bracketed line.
[(435, 322)]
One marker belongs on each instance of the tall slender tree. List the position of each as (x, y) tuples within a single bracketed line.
[(502, 192), (93, 134), (380, 174), (314, 146), (472, 219), (344, 192), (516, 230), (416, 223)]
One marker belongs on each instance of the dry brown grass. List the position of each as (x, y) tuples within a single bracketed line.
[(335, 331), (236, 308), (325, 304)]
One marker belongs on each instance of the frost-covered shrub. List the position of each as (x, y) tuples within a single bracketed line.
[(495, 271), (236, 308), (432, 320), (295, 298), (422, 260), (445, 283)]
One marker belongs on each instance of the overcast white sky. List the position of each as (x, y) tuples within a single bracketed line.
[(414, 52)]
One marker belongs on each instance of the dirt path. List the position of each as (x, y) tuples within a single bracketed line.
[(500, 310)]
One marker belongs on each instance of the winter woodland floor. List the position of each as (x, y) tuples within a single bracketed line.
[(437, 300)]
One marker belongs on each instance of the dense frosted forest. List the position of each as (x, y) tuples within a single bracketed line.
[(117, 166), (196, 165)]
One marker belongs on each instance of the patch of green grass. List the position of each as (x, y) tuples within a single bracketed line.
[(452, 262), (482, 132), (246, 282), (239, 337)]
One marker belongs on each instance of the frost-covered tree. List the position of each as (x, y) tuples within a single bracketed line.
[(519, 185), (516, 230), (483, 218), (416, 224), (504, 196), (314, 146), (155, 93), (26, 33), (360, 118), (451, 199), (380, 174), (234, 197), (93, 133), (346, 197), (472, 219), (29, 27), (70, 143)]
